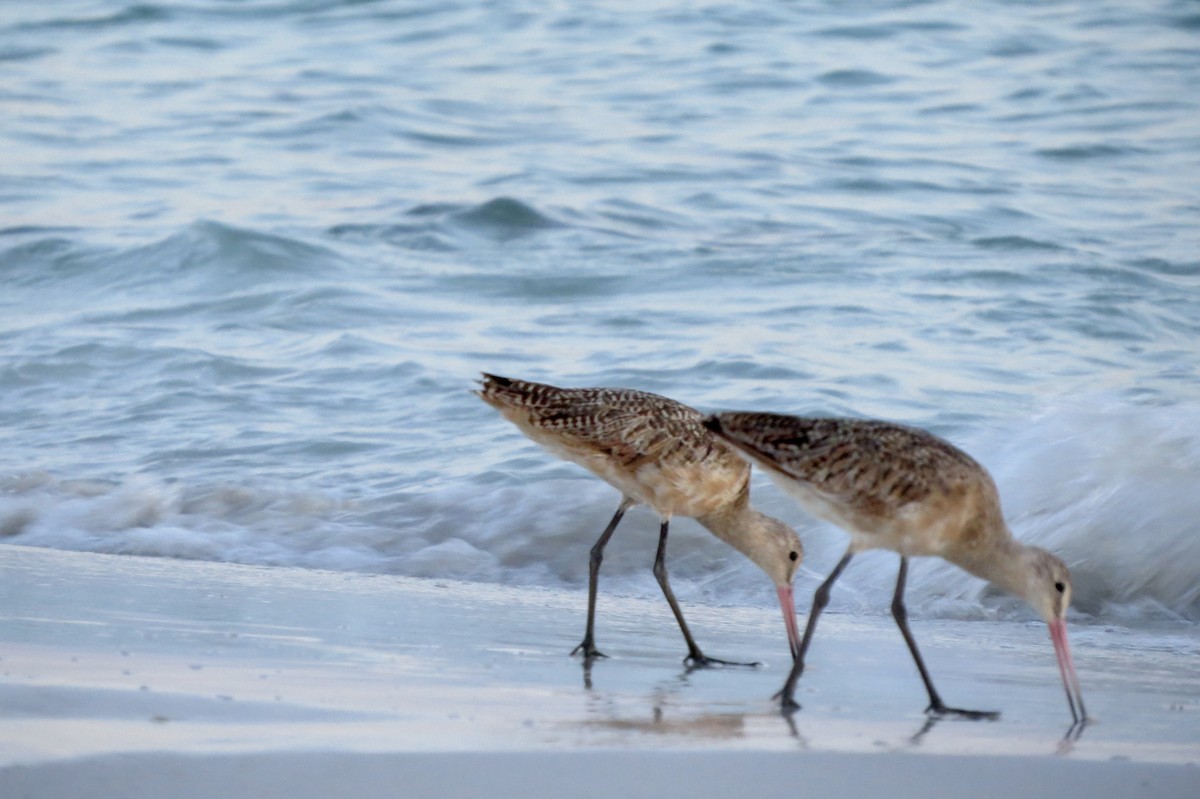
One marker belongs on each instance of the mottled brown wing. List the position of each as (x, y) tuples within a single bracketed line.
[(628, 425), (853, 460)]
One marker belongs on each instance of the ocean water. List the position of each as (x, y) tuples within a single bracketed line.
[(254, 254)]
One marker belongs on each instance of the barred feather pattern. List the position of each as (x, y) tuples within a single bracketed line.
[(652, 448), (860, 460), (887, 484)]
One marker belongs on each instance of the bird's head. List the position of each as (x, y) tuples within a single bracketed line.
[(1047, 587)]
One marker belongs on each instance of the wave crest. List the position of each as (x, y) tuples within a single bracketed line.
[(1111, 490)]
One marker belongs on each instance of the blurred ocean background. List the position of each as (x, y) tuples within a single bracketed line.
[(254, 254)]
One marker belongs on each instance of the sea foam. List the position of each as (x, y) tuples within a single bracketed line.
[(1111, 490)]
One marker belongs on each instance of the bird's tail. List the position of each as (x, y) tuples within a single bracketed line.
[(505, 392)]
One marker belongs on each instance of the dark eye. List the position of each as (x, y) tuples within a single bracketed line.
[(1059, 587), (793, 555)]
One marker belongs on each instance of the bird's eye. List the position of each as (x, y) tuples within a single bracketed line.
[(1059, 587), (793, 555)]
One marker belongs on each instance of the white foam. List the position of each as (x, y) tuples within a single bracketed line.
[(1109, 487), (1114, 491)]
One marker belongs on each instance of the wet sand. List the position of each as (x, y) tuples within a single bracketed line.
[(163, 677)]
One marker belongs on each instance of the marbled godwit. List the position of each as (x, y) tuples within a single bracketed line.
[(654, 451), (907, 490)]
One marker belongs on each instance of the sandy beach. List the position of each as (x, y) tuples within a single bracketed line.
[(124, 676)]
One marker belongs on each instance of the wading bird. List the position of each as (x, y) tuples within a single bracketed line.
[(906, 490), (654, 451)]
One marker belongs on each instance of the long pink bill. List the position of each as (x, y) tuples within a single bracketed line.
[(1058, 634), (788, 605)]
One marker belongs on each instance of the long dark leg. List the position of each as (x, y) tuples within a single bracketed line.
[(820, 600), (588, 645), (900, 614), (695, 657)]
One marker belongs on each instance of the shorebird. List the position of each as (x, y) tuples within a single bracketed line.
[(906, 490), (656, 452)]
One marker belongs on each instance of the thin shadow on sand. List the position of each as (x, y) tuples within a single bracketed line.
[(1073, 734), (663, 712), (1064, 746), (932, 720)]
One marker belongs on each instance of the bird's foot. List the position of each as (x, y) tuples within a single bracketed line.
[(937, 709), (1073, 734), (588, 650), (787, 698), (698, 660), (787, 705), (786, 695)]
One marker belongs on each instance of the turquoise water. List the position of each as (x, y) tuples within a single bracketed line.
[(253, 255)]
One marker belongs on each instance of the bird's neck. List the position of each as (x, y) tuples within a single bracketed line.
[(1003, 564), (730, 523)]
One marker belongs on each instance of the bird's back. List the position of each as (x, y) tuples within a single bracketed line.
[(895, 486), (652, 448)]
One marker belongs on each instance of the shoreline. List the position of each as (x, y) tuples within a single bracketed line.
[(124, 671)]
